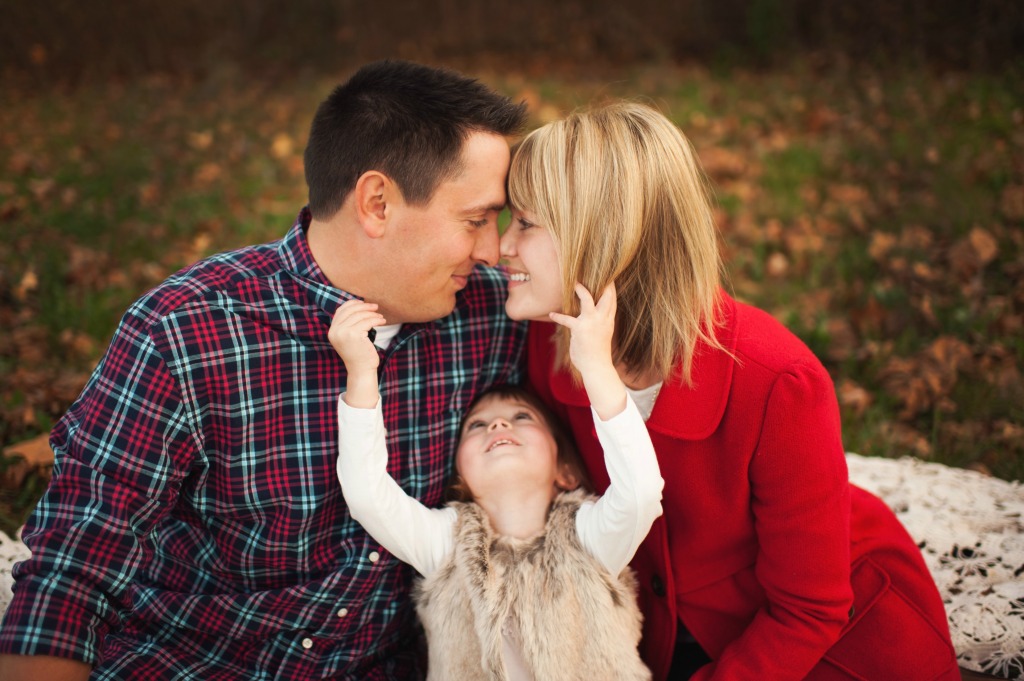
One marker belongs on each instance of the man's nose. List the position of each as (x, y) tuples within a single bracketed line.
[(485, 250)]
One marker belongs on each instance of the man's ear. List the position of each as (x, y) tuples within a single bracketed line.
[(372, 193)]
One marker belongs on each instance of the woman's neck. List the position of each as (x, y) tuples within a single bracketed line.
[(635, 380)]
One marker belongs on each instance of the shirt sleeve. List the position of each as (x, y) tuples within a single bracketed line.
[(417, 535), (612, 528), (121, 452)]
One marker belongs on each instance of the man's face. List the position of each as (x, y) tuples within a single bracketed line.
[(434, 247)]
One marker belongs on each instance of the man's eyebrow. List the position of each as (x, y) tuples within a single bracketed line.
[(496, 207)]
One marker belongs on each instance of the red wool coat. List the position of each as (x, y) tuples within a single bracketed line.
[(771, 559)]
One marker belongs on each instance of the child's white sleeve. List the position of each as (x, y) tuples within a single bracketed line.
[(420, 536), (612, 528)]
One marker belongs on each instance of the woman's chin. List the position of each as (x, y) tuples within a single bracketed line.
[(520, 315)]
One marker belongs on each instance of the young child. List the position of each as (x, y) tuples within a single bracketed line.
[(529, 579)]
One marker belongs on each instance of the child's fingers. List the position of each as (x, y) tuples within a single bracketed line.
[(351, 307), (586, 300), (363, 321), (609, 299), (565, 320)]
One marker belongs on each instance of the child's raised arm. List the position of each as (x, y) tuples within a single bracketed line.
[(612, 528), (417, 535)]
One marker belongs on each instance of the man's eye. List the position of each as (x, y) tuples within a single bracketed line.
[(479, 223)]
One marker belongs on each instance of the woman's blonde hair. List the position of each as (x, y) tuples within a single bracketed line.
[(623, 193)]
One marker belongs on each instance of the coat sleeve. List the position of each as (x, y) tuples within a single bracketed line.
[(800, 501)]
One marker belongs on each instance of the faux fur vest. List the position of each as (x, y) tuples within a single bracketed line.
[(573, 620)]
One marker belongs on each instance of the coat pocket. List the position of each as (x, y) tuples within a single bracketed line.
[(888, 635)]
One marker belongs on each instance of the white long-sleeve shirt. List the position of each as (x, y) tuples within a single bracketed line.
[(611, 528)]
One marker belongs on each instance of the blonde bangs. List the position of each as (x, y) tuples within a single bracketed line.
[(622, 192)]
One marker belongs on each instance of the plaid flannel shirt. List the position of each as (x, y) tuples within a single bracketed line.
[(194, 526)]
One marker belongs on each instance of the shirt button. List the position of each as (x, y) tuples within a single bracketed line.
[(374, 556), (343, 612), (307, 643)]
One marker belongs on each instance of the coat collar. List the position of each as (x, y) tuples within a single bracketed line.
[(683, 412)]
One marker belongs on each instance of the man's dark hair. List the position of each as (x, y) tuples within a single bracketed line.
[(405, 120)]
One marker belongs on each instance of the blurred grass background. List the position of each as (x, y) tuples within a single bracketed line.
[(868, 163)]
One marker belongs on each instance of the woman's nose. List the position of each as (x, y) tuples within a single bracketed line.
[(506, 245)]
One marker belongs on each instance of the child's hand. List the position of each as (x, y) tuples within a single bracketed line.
[(590, 350), (590, 347), (348, 334)]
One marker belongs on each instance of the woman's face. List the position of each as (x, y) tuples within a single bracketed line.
[(535, 286)]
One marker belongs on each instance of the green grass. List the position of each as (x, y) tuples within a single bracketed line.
[(846, 216)]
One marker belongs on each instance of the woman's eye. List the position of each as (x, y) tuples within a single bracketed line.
[(524, 224)]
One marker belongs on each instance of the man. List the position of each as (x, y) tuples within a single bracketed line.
[(194, 526)]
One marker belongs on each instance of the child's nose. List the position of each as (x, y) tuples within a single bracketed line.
[(498, 423)]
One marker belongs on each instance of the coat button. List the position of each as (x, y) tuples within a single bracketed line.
[(853, 611), (657, 586)]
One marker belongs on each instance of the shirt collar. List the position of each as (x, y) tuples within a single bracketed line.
[(299, 262), (685, 412)]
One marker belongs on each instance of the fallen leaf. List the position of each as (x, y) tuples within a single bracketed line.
[(282, 145), (881, 244), (29, 282), (984, 245), (200, 140), (1011, 203), (35, 455), (853, 396)]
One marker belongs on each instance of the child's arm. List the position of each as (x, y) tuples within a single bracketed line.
[(415, 534), (613, 527)]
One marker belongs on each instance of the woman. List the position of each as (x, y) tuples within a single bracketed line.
[(767, 563)]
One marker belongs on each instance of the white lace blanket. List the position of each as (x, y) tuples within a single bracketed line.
[(970, 528), (971, 531)]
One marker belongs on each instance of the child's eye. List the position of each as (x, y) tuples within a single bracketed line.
[(523, 416), (474, 424)]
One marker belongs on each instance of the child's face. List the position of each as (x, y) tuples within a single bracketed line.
[(505, 444)]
